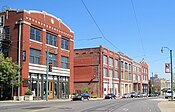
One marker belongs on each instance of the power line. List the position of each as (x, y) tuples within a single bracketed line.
[(138, 27), (89, 39), (98, 26)]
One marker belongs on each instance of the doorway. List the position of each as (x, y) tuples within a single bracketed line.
[(51, 90)]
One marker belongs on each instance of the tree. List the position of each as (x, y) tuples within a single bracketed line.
[(8, 76), (85, 90)]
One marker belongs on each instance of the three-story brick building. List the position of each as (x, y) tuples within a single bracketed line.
[(31, 34)]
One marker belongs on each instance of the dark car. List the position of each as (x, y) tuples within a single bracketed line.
[(133, 94), (110, 96), (81, 96)]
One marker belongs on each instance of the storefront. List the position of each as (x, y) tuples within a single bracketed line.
[(58, 86)]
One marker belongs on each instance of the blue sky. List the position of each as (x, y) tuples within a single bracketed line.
[(155, 26)]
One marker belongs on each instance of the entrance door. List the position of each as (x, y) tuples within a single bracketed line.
[(51, 90)]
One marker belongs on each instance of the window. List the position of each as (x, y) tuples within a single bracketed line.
[(116, 63), (35, 56), (64, 44), (116, 74), (104, 59), (7, 32), (1, 21), (52, 59), (129, 66), (111, 73), (122, 77), (126, 66), (138, 77), (64, 62), (130, 76), (51, 39), (110, 61), (134, 76), (105, 72), (35, 34), (121, 64)]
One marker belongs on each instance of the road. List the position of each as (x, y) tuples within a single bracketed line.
[(114, 105)]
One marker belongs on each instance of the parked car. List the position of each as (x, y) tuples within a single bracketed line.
[(126, 95), (110, 96), (168, 94), (81, 96), (144, 94), (133, 94)]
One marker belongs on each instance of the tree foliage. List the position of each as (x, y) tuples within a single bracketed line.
[(85, 90), (8, 74), (8, 71)]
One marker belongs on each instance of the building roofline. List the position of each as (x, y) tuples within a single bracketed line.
[(39, 12)]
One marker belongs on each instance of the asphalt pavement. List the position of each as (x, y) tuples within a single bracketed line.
[(164, 104)]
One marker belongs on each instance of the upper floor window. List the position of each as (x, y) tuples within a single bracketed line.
[(105, 59), (35, 34), (64, 62), (116, 74), (130, 76), (111, 73), (126, 65), (52, 59), (64, 44), (35, 56), (129, 66), (6, 32), (51, 39), (111, 61), (122, 75), (116, 63), (121, 64), (105, 72)]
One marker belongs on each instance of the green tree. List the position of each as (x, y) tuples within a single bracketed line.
[(8, 76), (85, 90)]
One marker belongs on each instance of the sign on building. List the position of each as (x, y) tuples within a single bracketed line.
[(167, 67)]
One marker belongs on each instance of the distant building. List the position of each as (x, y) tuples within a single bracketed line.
[(104, 71)]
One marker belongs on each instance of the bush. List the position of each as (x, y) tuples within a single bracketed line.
[(29, 92)]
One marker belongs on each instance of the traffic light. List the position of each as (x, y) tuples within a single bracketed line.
[(50, 67), (167, 67)]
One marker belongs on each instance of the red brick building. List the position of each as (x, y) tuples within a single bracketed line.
[(32, 33), (104, 71)]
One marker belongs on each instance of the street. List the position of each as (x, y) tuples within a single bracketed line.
[(114, 105)]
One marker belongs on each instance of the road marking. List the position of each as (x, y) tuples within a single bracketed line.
[(125, 110), (45, 109)]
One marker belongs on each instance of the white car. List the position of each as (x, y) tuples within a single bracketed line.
[(168, 94)]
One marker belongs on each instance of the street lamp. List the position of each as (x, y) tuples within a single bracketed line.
[(19, 57), (171, 62)]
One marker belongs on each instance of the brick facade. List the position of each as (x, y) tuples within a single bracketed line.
[(45, 23), (105, 71)]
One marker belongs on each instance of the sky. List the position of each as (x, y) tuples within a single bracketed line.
[(137, 28)]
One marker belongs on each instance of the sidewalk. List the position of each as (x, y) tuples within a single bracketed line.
[(167, 106)]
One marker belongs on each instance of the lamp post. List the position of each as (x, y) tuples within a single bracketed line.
[(47, 67), (171, 62), (19, 56)]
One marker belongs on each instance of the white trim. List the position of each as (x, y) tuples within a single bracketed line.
[(25, 22), (35, 68), (72, 40), (52, 46), (65, 50), (36, 41), (43, 12)]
